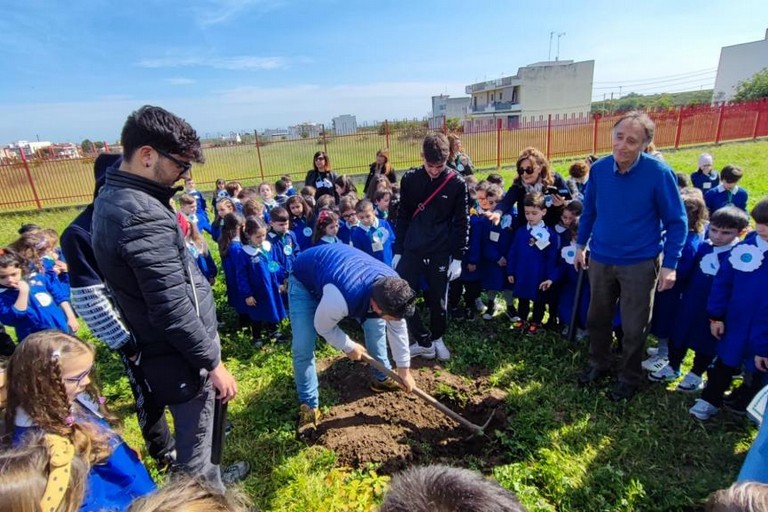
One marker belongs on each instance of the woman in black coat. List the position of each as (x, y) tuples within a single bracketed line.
[(321, 176), (381, 167)]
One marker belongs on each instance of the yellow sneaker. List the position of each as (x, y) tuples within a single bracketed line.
[(383, 386)]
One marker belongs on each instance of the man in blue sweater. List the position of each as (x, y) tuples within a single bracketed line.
[(630, 201)]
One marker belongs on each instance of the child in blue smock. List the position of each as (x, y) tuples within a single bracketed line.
[(692, 331), (285, 247), (738, 313), (301, 221), (31, 302), (705, 178), (201, 208), (728, 191), (326, 228), (257, 282), (50, 392), (348, 221), (569, 218), (567, 280), (373, 236), (665, 304), (230, 247), (495, 239), (470, 282), (198, 248), (532, 263)]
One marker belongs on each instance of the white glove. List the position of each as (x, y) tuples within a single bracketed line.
[(454, 270), (395, 261)]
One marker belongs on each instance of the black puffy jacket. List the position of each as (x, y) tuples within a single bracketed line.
[(166, 302)]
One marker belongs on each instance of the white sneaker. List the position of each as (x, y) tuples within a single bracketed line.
[(480, 305), (581, 335), (488, 315), (652, 351), (666, 374), (654, 363), (425, 352), (703, 410), (443, 354), (691, 383)]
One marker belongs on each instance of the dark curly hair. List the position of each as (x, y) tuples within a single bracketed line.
[(156, 127)]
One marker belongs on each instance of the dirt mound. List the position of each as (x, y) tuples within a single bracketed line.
[(397, 429)]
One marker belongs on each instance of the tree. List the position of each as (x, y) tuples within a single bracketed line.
[(98, 144), (754, 88), (87, 146), (454, 125)]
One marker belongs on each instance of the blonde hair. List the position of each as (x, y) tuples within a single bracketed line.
[(740, 497), (36, 385), (186, 494), (24, 474)]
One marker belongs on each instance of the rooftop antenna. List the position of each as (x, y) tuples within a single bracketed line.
[(559, 35), (549, 55)]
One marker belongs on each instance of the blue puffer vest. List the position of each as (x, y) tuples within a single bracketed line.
[(348, 269)]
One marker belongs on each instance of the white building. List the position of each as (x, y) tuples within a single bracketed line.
[(345, 124), (305, 130), (560, 88), (27, 147), (738, 63), (445, 107)]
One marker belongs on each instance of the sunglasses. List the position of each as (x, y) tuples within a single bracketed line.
[(526, 170), (77, 379), (184, 166)]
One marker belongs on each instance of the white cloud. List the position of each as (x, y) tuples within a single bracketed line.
[(179, 81), (242, 62), (213, 12)]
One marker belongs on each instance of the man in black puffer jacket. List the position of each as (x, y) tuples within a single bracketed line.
[(165, 301)]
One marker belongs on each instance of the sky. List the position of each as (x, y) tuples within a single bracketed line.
[(75, 70)]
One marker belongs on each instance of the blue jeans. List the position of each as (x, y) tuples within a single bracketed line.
[(302, 315)]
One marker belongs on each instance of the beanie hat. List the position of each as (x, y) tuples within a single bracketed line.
[(705, 159)]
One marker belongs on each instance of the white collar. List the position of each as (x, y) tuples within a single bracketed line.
[(539, 225), (250, 250), (23, 419), (721, 188), (330, 239), (761, 244), (724, 248)]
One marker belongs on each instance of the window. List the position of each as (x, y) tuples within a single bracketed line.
[(541, 117)]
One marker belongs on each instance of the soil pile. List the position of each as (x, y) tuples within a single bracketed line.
[(397, 429)]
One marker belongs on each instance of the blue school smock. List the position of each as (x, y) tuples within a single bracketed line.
[(285, 248), (257, 277), (345, 232), (111, 485), (739, 299), (719, 197), (705, 182), (494, 244), (375, 240), (201, 210), (302, 230), (530, 265), (567, 278), (473, 256), (692, 331), (230, 262), (205, 262), (43, 310), (666, 303)]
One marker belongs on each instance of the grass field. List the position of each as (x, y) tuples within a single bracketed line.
[(569, 449)]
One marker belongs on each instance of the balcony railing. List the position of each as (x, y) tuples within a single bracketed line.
[(495, 106)]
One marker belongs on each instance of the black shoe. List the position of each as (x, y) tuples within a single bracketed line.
[(622, 391), (469, 314), (457, 313), (736, 401), (592, 375)]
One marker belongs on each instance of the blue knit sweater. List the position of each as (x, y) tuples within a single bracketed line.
[(625, 214)]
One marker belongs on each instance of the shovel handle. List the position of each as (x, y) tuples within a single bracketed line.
[(366, 358)]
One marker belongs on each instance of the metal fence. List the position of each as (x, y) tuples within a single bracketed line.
[(37, 183)]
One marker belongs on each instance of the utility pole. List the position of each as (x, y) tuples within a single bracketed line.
[(559, 35)]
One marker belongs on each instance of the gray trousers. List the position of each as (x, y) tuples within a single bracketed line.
[(193, 425), (634, 287)]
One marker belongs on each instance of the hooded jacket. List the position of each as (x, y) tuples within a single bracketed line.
[(165, 301)]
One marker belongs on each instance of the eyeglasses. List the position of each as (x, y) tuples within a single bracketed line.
[(526, 170), (184, 166), (77, 379), (321, 157), (348, 215)]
